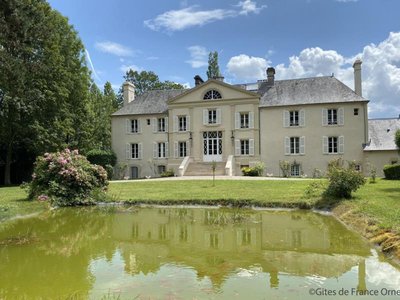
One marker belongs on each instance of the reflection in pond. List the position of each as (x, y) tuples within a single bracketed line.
[(185, 253)]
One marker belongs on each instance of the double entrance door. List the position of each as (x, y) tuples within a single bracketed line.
[(212, 146)]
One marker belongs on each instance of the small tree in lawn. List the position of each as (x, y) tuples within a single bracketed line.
[(397, 139), (213, 167)]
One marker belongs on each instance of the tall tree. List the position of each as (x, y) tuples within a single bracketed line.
[(213, 67), (397, 139), (44, 81), (148, 80)]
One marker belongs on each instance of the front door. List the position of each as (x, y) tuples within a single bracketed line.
[(134, 172), (212, 146)]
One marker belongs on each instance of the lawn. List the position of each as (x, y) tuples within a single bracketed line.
[(13, 203)]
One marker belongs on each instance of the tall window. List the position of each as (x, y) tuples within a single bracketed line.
[(134, 126), (294, 118), (161, 150), (295, 170), (134, 150), (182, 150), (161, 125), (212, 94), (332, 144), (244, 147), (332, 116), (212, 116), (294, 145), (182, 124), (244, 120)]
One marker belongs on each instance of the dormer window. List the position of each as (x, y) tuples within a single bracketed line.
[(212, 94)]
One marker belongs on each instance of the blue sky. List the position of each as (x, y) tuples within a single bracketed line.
[(300, 38)]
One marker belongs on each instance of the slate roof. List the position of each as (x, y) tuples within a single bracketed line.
[(151, 102), (381, 134), (313, 90)]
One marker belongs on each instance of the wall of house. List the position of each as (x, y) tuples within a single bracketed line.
[(379, 159), (273, 135)]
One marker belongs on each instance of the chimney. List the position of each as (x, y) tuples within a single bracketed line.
[(219, 78), (128, 92), (357, 77), (198, 80), (270, 76)]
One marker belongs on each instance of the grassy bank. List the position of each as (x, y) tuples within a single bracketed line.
[(13, 203)]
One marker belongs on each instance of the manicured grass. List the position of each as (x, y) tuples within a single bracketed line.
[(263, 193), (13, 203)]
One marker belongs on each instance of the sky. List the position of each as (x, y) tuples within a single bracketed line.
[(299, 38)]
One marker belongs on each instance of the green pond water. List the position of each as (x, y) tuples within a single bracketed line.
[(188, 253)]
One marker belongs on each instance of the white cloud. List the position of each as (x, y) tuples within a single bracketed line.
[(380, 71), (198, 56), (96, 76), (114, 48), (176, 20), (249, 6), (247, 68), (125, 68)]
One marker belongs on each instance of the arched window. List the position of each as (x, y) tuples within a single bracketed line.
[(212, 94)]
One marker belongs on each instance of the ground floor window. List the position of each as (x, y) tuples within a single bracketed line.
[(295, 170), (244, 147), (182, 150), (161, 169)]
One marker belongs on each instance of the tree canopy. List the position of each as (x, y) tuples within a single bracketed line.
[(397, 139), (213, 67)]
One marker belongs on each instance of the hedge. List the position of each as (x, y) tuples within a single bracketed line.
[(392, 171)]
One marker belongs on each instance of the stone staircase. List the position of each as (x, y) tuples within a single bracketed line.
[(204, 169)]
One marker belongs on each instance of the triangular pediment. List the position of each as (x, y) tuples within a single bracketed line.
[(227, 92)]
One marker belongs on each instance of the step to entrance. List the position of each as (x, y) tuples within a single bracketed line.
[(204, 169)]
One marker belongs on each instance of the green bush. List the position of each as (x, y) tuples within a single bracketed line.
[(392, 171), (343, 181), (257, 170), (102, 158), (168, 173), (110, 171), (66, 179)]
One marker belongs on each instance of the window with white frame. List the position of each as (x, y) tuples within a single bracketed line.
[(295, 145), (182, 149), (182, 123), (134, 128), (244, 147), (212, 116), (295, 170), (212, 94), (161, 169), (135, 151), (161, 124), (332, 144), (161, 150), (294, 118), (244, 120), (332, 116)]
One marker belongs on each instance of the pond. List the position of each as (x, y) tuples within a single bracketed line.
[(188, 253)]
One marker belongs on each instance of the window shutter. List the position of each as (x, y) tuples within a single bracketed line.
[(139, 126), (237, 147), (286, 118), (154, 124), (187, 148), (128, 151), (176, 149), (341, 116), (251, 119), (166, 124), (140, 150), (325, 144), (187, 123), (166, 149), (128, 126), (302, 117), (219, 116), (155, 150), (324, 117), (251, 147), (205, 116), (176, 120), (237, 120), (341, 144), (287, 145), (302, 145)]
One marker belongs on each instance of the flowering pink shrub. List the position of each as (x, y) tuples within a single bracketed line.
[(67, 178)]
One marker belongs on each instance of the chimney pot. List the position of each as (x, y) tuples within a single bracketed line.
[(128, 92), (270, 76), (198, 80)]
